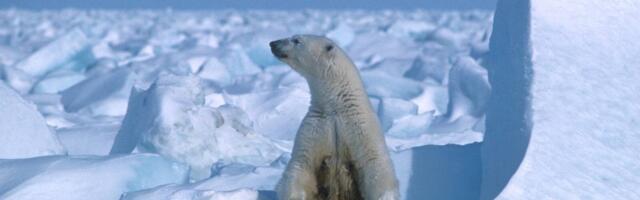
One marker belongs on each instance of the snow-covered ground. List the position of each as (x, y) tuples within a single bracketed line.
[(192, 105)]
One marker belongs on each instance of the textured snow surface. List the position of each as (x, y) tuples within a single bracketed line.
[(580, 59), (130, 90)]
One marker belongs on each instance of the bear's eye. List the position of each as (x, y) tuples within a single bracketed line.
[(296, 41), (328, 47)]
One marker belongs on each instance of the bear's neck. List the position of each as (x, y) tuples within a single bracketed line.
[(345, 94)]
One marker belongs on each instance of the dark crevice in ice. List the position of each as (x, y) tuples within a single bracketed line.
[(508, 125)]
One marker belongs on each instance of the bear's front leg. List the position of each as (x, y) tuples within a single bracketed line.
[(299, 181), (377, 179)]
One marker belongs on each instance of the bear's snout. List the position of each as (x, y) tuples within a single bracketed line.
[(276, 48)]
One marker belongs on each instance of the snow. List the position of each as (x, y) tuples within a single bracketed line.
[(120, 91), (24, 131), (86, 177), (564, 83)]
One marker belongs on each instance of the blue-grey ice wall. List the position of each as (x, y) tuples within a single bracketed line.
[(565, 93)]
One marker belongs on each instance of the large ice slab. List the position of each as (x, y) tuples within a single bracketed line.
[(86, 177), (101, 94), (171, 118), (564, 101), (23, 131), (70, 51)]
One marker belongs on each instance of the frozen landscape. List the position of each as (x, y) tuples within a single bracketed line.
[(192, 105), (536, 100)]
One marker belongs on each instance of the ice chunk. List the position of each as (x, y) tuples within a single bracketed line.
[(170, 118), (417, 30), (430, 67), (71, 51), (216, 71), (86, 177), (237, 62), (469, 92), (446, 36), (410, 125), (24, 132), (103, 94), (88, 139), (58, 81), (564, 101), (380, 84), (9, 55), (276, 114), (256, 45), (393, 67), (392, 109), (433, 98), (342, 34), (368, 47)]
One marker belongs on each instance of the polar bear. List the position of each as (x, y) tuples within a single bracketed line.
[(339, 150)]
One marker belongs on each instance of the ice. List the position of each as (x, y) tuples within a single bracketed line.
[(276, 114), (562, 122), (97, 93), (70, 51), (392, 109), (237, 62), (411, 125), (256, 45), (431, 67), (418, 30), (450, 38), (86, 177), (222, 105), (380, 84), (368, 47), (433, 98), (88, 139), (170, 118), (395, 67), (231, 177), (342, 34), (216, 71), (24, 132), (244, 194), (469, 92), (58, 81)]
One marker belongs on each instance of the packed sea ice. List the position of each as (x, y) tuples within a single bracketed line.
[(194, 103)]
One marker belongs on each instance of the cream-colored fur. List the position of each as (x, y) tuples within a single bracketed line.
[(339, 150)]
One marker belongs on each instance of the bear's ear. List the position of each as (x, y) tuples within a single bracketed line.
[(328, 48)]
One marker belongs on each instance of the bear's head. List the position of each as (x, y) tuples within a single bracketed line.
[(310, 55)]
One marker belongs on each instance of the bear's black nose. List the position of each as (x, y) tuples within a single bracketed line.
[(276, 48)]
